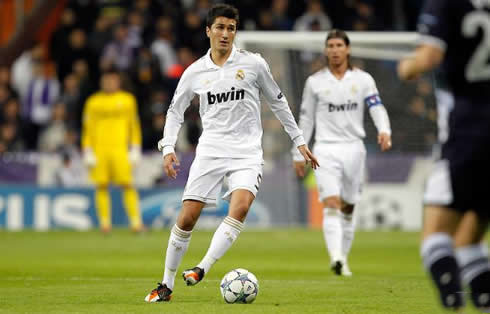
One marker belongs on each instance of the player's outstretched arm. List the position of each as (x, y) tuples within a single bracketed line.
[(426, 58), (169, 161), (308, 156)]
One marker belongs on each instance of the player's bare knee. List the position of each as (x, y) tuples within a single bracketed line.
[(188, 216), (332, 202), (186, 222), (239, 210)]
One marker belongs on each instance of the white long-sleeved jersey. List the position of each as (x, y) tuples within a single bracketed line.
[(229, 106), (336, 107)]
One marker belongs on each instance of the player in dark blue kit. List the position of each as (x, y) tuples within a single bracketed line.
[(456, 35)]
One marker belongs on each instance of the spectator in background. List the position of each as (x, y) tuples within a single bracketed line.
[(185, 57), (314, 18), (71, 98), (100, 35), (52, 137), (136, 27), (265, 22), (77, 49), (5, 76), (10, 139), (23, 68), (145, 74), (191, 33), (5, 94), (120, 52), (153, 133), (86, 85), (162, 47), (43, 90), (280, 19), (11, 113), (60, 39)]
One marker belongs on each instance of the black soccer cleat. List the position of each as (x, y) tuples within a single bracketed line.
[(193, 276), (445, 275), (480, 292), (336, 267), (160, 294)]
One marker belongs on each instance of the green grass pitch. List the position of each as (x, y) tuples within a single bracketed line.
[(86, 272)]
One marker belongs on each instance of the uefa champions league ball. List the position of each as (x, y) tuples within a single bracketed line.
[(239, 286)]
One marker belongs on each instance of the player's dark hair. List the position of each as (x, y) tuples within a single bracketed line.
[(112, 70), (340, 34), (225, 10)]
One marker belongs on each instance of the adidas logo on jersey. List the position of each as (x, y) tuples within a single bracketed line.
[(224, 97), (342, 107)]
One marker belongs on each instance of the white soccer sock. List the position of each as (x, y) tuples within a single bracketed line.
[(223, 238), (473, 261), (348, 229), (332, 232), (178, 243)]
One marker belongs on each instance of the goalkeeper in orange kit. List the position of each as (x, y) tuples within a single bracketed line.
[(111, 143)]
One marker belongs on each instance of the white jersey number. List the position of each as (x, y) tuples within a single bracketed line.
[(477, 68)]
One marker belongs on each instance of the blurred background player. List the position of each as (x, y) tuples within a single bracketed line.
[(333, 104), (228, 82), (455, 34), (111, 143)]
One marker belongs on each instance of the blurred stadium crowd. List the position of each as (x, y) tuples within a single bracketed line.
[(152, 42)]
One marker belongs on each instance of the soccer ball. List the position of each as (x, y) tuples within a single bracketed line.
[(239, 286)]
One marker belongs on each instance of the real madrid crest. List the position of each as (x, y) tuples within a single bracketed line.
[(354, 89), (240, 75)]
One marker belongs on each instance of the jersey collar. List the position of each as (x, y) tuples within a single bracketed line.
[(211, 65), (346, 75)]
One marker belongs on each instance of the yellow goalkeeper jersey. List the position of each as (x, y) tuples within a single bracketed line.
[(110, 121)]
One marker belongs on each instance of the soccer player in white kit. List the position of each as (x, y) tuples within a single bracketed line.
[(228, 82), (333, 104)]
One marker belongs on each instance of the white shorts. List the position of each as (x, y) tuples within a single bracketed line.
[(341, 171), (438, 189), (207, 174)]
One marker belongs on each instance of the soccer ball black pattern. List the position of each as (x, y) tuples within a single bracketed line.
[(239, 286)]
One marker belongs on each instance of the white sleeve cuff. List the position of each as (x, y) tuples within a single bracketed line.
[(167, 150), (299, 140)]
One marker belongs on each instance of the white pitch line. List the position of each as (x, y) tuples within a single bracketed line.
[(144, 279)]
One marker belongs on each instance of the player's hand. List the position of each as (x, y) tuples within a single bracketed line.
[(135, 155), (308, 156), (299, 167), (384, 141), (89, 158), (168, 165), (406, 71)]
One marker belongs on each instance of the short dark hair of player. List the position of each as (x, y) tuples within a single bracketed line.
[(225, 10), (111, 71), (340, 34)]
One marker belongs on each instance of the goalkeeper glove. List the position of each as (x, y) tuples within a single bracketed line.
[(89, 158), (135, 155)]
